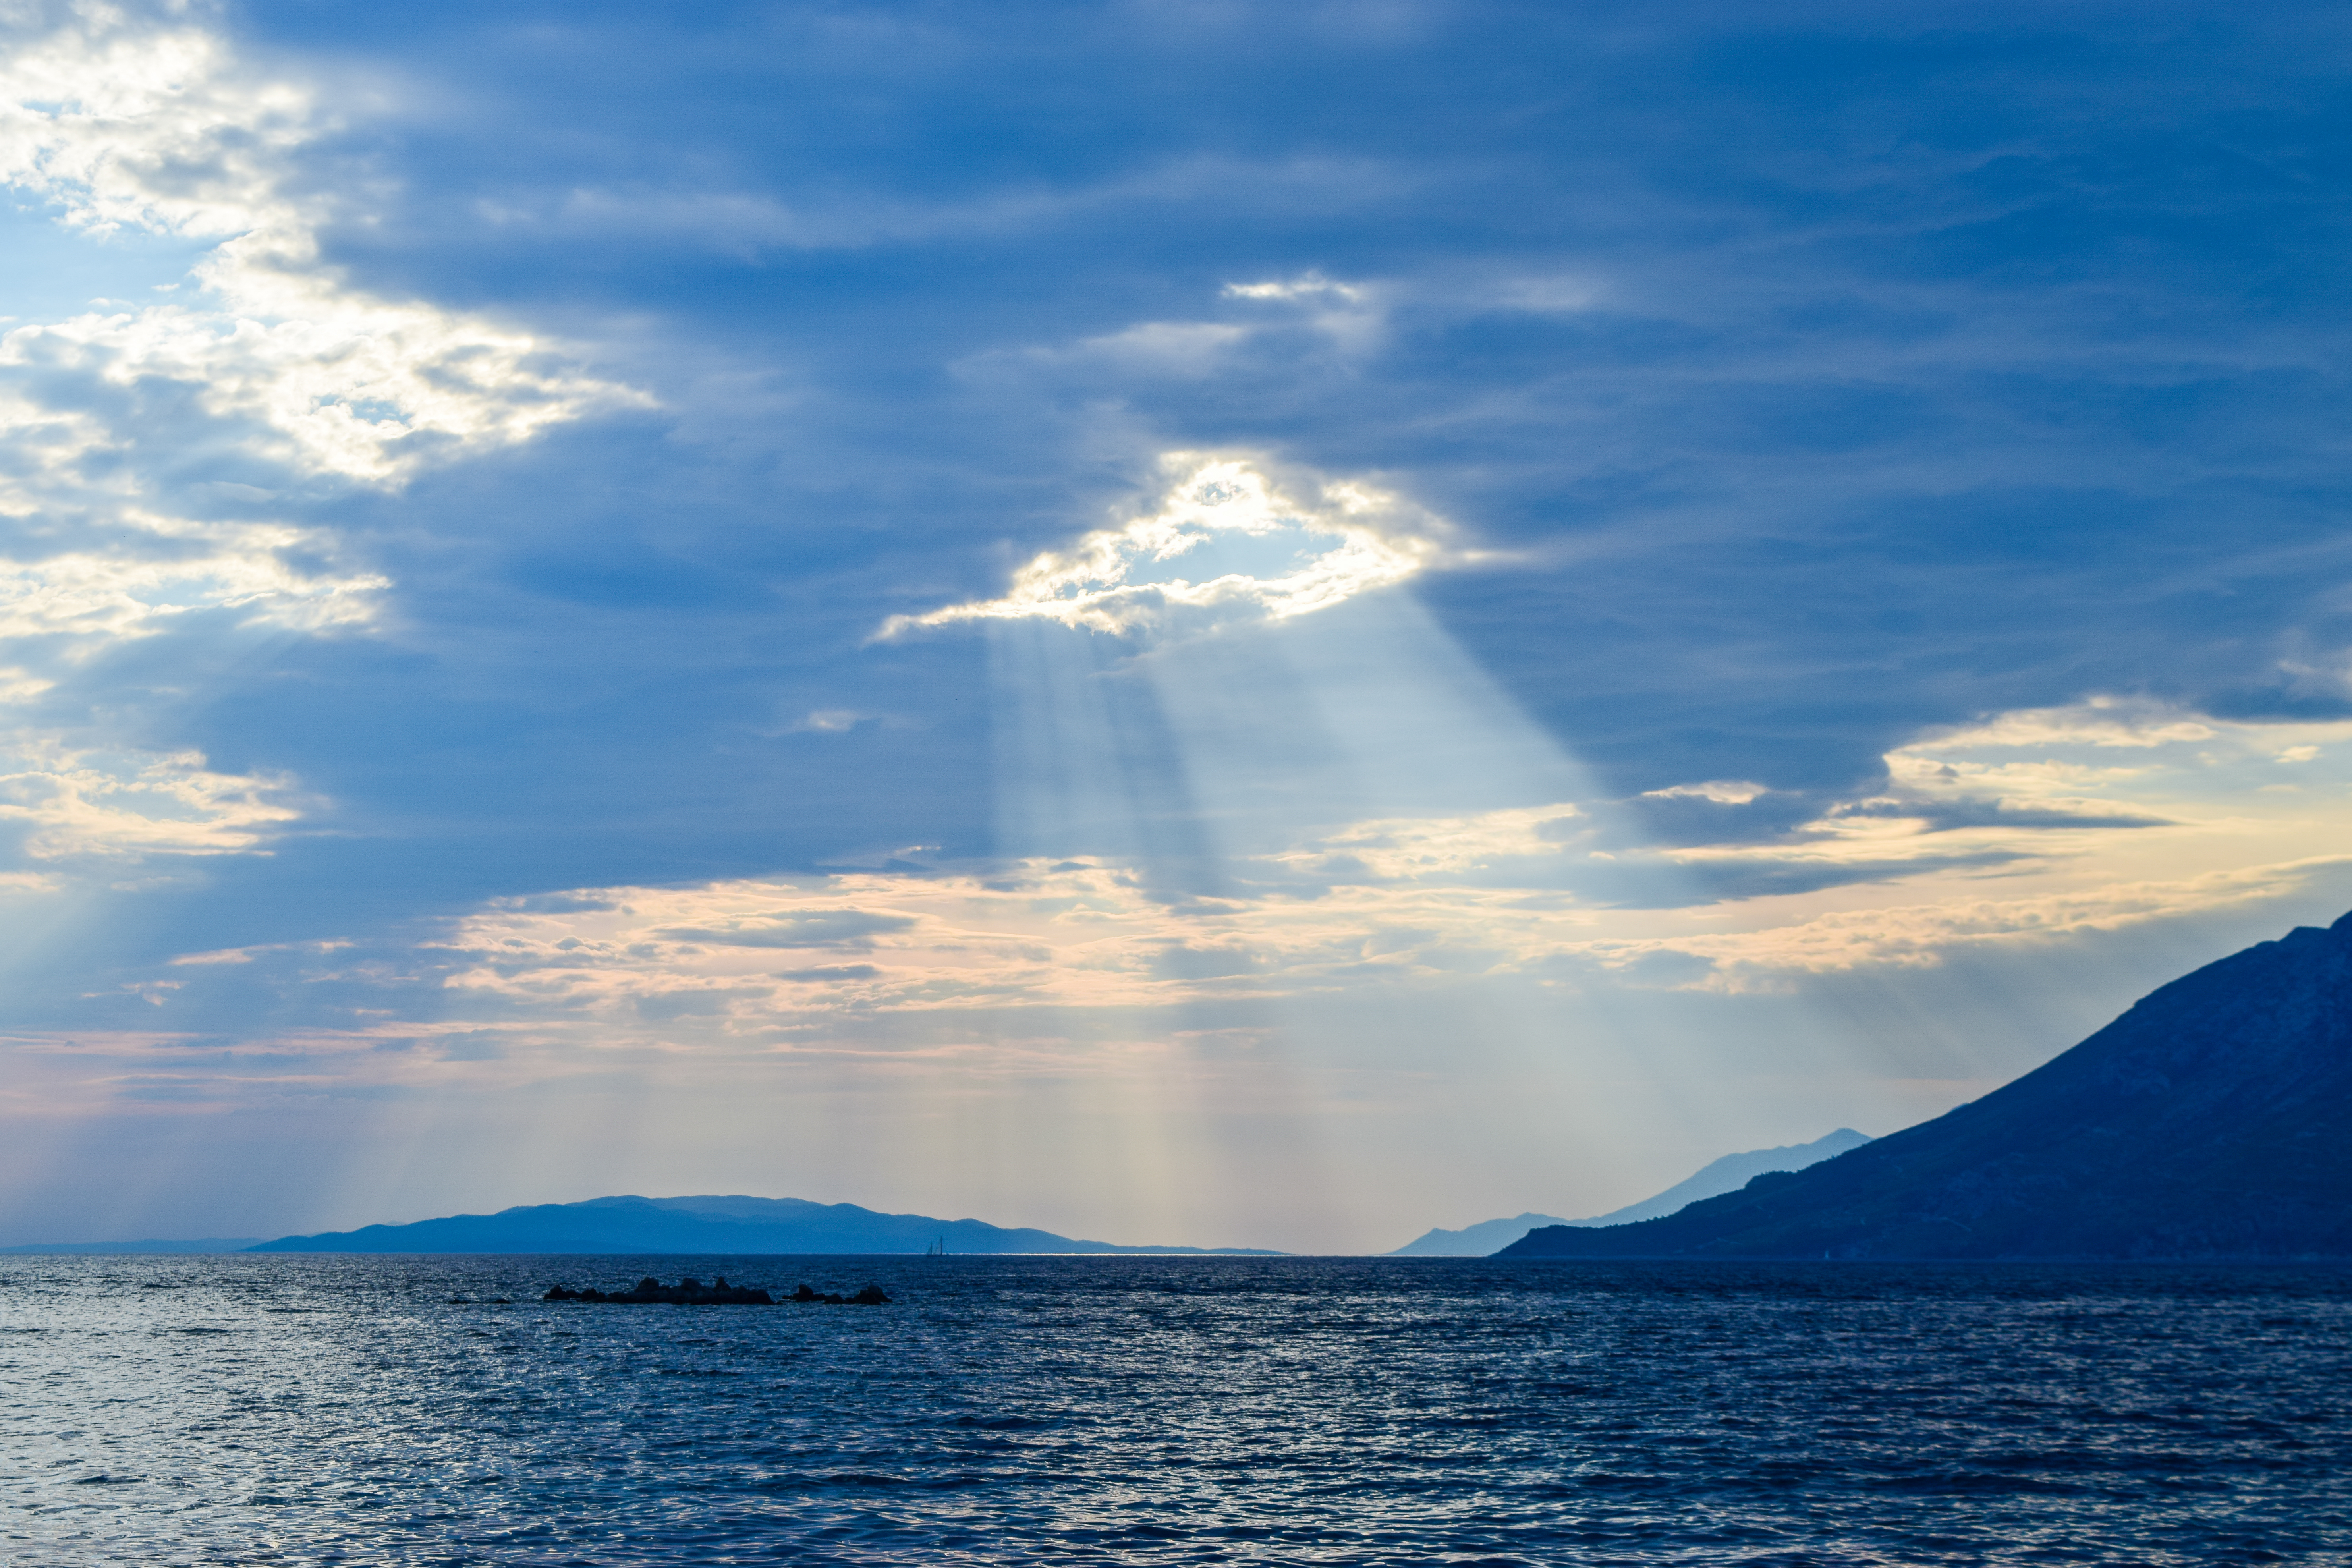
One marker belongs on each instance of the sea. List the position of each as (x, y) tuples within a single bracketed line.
[(311, 1409)]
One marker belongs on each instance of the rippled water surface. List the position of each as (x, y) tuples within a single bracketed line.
[(301, 1410)]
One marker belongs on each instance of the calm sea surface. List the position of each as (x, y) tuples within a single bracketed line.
[(301, 1410)]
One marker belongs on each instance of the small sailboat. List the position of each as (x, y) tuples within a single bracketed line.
[(937, 1249)]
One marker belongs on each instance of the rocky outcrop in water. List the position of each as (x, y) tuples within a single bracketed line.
[(2207, 1122), (871, 1296)]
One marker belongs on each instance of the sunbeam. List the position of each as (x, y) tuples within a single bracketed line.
[(1228, 749)]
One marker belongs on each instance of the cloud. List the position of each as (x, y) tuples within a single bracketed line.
[(1307, 286), (67, 805), (1721, 792), (114, 589), (1224, 546), (2105, 722), (87, 559), (1411, 908), (1444, 848), (794, 928), (1927, 934), (1840, 435), (828, 721), (272, 365), (130, 122), (749, 222), (1420, 903)]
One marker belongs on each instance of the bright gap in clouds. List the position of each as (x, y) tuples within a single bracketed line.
[(1228, 700), (1223, 546)]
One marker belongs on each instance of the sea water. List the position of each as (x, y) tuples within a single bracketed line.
[(1130, 1410)]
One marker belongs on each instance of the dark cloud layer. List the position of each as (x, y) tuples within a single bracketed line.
[(1829, 376)]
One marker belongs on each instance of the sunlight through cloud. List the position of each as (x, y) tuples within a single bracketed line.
[(1223, 546)]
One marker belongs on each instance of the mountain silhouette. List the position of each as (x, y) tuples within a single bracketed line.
[(699, 1225), (1726, 1174), (2207, 1122)]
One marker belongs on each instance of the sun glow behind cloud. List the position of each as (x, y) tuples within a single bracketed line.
[(1224, 546)]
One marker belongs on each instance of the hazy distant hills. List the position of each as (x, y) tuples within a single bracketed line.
[(2209, 1122), (701, 1225), (1481, 1240), (97, 1248), (1727, 1175)]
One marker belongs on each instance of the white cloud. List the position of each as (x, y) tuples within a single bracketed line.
[(97, 595), (156, 125), (1916, 934), (1722, 792), (95, 560), (1353, 316), (1427, 849), (72, 805), (2101, 722), (125, 119), (1222, 544), (1163, 348), (828, 721), (94, 566), (1307, 286)]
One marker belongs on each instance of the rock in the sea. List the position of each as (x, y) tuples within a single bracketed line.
[(872, 1296), (686, 1293)]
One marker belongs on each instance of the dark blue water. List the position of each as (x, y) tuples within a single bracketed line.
[(302, 1410)]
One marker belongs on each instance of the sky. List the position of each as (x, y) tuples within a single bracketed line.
[(1218, 623)]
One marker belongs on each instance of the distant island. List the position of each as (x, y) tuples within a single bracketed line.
[(210, 1244), (2207, 1122), (1724, 1176), (713, 1225)]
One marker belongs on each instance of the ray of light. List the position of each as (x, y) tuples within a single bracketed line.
[(1196, 756)]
